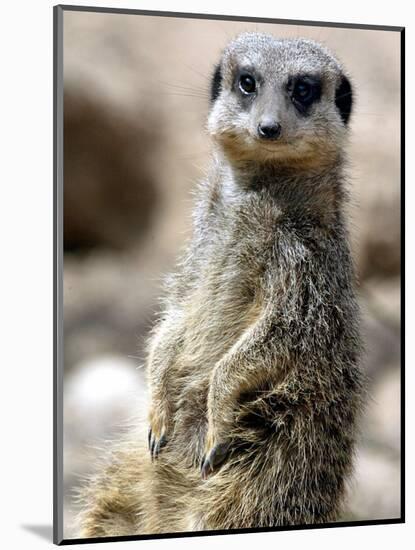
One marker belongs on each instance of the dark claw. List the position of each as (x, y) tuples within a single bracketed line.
[(214, 458), (155, 445), (152, 445), (159, 445)]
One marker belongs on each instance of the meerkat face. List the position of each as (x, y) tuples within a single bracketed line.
[(279, 99)]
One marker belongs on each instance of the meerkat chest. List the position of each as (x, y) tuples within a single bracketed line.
[(225, 300)]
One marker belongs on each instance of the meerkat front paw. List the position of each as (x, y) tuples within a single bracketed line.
[(216, 451), (158, 430), (214, 458)]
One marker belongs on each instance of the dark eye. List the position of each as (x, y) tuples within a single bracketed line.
[(247, 84), (304, 91)]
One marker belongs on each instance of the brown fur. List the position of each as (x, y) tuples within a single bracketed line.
[(253, 367)]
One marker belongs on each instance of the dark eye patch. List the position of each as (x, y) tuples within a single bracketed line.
[(344, 99), (304, 90), (216, 83)]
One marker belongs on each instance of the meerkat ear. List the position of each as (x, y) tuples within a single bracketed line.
[(215, 83), (344, 99)]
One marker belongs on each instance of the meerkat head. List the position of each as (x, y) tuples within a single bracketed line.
[(286, 100)]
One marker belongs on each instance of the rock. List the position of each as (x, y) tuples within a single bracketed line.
[(110, 189)]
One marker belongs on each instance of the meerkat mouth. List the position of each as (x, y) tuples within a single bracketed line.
[(276, 149), (271, 150), (271, 146)]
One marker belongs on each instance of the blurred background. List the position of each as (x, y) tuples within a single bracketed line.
[(136, 100)]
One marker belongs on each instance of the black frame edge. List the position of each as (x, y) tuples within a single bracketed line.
[(57, 274), (403, 221), (363, 523)]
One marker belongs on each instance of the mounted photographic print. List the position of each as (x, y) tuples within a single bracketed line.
[(228, 214)]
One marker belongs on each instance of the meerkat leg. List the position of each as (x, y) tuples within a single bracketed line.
[(248, 360), (163, 351)]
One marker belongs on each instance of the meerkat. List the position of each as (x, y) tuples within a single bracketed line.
[(253, 367)]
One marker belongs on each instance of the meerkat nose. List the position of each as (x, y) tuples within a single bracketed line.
[(269, 130)]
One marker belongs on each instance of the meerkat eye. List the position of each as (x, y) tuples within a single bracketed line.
[(304, 92), (247, 84)]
